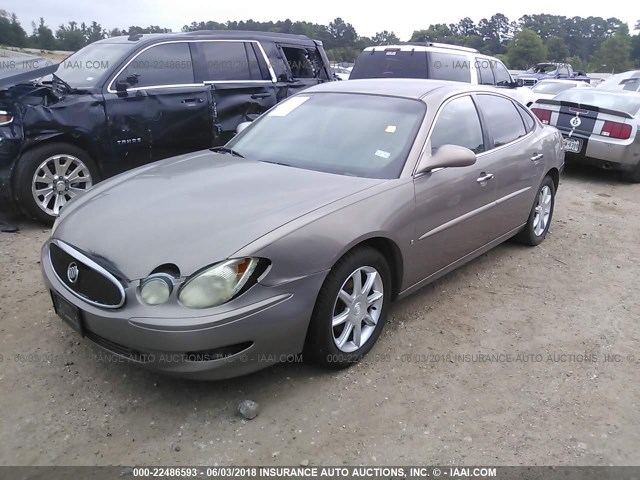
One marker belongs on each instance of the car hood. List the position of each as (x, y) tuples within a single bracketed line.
[(194, 210)]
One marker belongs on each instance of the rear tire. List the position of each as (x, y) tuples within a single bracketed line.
[(351, 309), (48, 176), (537, 227)]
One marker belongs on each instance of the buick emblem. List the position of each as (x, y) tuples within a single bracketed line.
[(575, 122), (73, 272)]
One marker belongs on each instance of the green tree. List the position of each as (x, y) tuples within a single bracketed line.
[(615, 52), (525, 49), (385, 37), (11, 32), (71, 37), (557, 50), (42, 37)]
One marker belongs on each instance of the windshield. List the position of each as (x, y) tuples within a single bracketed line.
[(543, 68), (552, 87), (390, 63), (89, 66), (624, 81), (621, 102), (348, 134)]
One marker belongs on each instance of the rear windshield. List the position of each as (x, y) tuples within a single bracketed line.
[(621, 102), (390, 63), (395, 63), (552, 87)]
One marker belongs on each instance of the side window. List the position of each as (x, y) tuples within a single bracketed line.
[(528, 120), (446, 66), (503, 120), (299, 62), (485, 73), (458, 124), (225, 61), (501, 73), (166, 64)]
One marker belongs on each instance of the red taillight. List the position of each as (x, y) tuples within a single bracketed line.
[(543, 114), (616, 130)]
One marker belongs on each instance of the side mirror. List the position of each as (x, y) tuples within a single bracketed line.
[(121, 86), (447, 156), (519, 82), (242, 126)]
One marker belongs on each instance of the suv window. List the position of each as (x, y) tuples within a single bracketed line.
[(485, 73), (447, 66), (299, 62), (503, 120), (166, 64), (503, 78), (458, 124), (225, 61)]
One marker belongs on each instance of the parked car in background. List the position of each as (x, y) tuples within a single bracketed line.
[(629, 81), (599, 127), (126, 101), (545, 71), (342, 198), (435, 61), (340, 73), (550, 88)]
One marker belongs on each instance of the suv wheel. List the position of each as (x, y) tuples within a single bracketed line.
[(47, 177)]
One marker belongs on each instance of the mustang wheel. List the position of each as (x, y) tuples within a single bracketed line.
[(351, 309), (48, 177), (535, 231)]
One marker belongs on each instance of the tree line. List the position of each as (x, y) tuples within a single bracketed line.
[(588, 43)]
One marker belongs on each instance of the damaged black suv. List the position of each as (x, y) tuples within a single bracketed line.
[(126, 101)]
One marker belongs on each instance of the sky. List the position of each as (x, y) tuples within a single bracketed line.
[(399, 16)]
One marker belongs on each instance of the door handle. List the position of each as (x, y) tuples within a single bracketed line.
[(191, 101), (485, 177), (537, 156), (255, 96)]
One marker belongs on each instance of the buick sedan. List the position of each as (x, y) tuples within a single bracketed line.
[(298, 234)]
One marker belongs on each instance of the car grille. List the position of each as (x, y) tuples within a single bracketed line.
[(529, 82), (83, 276)]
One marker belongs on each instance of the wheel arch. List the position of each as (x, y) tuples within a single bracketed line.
[(554, 173)]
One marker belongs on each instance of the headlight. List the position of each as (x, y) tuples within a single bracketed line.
[(217, 284), (5, 117), (156, 290)]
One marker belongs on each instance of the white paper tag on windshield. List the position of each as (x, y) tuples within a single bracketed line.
[(390, 129), (285, 108), (382, 153)]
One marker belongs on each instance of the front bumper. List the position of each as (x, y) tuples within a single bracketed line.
[(266, 325)]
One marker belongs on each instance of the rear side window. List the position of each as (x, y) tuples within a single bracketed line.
[(528, 120), (390, 63), (503, 121), (458, 124), (304, 62), (160, 65), (227, 61), (445, 66), (485, 72), (502, 74)]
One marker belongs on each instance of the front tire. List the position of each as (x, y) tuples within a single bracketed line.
[(537, 227), (48, 176), (351, 309)]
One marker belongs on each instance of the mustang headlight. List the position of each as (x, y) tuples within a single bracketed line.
[(217, 284), (156, 290)]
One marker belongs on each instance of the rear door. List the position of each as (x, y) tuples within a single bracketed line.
[(162, 112), (516, 160), (453, 205), (240, 81)]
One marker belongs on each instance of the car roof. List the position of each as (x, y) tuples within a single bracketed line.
[(425, 47), (417, 88), (147, 38)]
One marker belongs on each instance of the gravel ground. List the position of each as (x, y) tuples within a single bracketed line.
[(562, 387)]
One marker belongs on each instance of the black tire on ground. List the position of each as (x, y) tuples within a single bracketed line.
[(527, 235), (26, 169), (632, 176), (320, 346)]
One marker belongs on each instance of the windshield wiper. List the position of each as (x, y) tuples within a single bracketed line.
[(227, 150)]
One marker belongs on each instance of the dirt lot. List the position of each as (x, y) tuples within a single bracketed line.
[(561, 321)]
